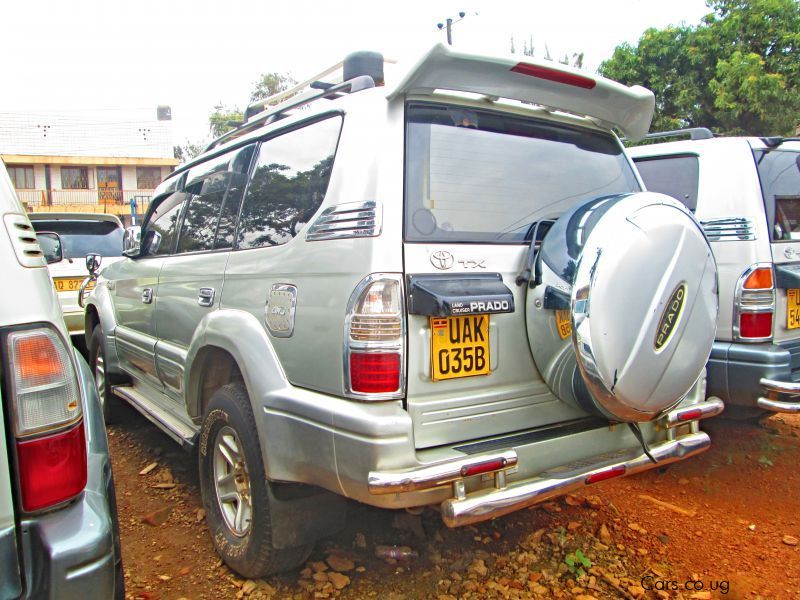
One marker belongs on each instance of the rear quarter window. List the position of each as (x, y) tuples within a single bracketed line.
[(675, 176), (779, 172)]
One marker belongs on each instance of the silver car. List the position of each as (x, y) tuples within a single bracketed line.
[(437, 286), (59, 536), (746, 193)]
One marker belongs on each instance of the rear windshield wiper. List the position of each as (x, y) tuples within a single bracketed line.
[(537, 231)]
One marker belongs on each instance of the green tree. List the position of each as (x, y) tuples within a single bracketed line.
[(270, 84), (225, 118), (737, 71)]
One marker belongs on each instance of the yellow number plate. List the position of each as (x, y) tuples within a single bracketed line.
[(459, 346), (563, 324), (792, 309), (68, 284)]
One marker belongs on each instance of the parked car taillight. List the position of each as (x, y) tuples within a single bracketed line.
[(754, 305), (48, 418), (375, 339)]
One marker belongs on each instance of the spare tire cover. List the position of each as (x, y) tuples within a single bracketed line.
[(622, 310)]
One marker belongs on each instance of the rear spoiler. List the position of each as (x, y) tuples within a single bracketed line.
[(546, 83)]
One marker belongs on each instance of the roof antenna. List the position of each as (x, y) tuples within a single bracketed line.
[(448, 25)]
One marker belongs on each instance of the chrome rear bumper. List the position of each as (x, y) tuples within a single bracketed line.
[(490, 503), (776, 388)]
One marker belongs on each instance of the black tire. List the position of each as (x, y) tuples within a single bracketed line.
[(735, 412), (102, 379), (245, 545)]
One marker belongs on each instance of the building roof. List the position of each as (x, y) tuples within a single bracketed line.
[(107, 134)]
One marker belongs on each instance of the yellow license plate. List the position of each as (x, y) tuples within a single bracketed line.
[(563, 324), (68, 284), (459, 346), (792, 309)]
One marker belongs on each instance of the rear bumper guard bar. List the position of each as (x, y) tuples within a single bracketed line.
[(774, 390), (491, 503), (488, 503)]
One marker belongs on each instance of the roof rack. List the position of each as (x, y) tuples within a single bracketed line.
[(359, 70), (694, 133), (275, 113), (775, 141)]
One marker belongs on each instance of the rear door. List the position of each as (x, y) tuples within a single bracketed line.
[(190, 282), (477, 184), (779, 172)]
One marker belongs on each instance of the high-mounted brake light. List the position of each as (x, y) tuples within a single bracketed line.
[(375, 339), (754, 304), (581, 81), (48, 423)]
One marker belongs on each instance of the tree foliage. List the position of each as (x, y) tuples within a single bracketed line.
[(737, 72)]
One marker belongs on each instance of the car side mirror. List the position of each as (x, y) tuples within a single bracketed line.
[(50, 243), (93, 263), (132, 241)]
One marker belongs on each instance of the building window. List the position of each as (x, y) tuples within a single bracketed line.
[(74, 178), (21, 177), (148, 178)]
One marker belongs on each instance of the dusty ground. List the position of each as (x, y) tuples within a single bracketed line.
[(725, 525)]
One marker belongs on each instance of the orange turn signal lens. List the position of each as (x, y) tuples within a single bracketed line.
[(37, 358), (760, 279)]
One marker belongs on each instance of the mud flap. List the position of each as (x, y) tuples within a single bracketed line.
[(301, 520)]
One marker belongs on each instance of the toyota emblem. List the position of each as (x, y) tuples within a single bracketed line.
[(442, 259)]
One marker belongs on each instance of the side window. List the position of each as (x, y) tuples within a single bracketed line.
[(779, 172), (240, 165), (216, 189), (288, 184), (674, 176), (162, 227)]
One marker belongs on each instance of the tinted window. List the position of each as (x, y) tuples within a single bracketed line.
[(479, 176), (779, 171), (674, 176), (161, 230), (288, 184), (240, 165), (215, 195), (79, 238)]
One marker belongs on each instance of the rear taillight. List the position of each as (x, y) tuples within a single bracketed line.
[(375, 339), (48, 423), (754, 304)]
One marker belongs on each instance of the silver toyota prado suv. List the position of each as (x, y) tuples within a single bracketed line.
[(446, 289), (746, 193)]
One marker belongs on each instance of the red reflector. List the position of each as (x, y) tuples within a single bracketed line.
[(484, 467), (690, 415), (603, 475), (52, 469), (587, 83), (755, 325), (374, 373)]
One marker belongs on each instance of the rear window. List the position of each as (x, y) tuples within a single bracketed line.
[(79, 238), (481, 176), (779, 171), (674, 176)]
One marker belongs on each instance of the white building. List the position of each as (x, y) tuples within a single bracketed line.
[(87, 162)]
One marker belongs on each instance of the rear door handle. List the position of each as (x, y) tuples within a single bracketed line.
[(205, 296), (147, 295)]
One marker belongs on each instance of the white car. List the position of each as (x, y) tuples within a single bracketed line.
[(59, 533), (81, 234), (746, 193)]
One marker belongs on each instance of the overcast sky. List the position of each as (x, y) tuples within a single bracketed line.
[(91, 56)]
